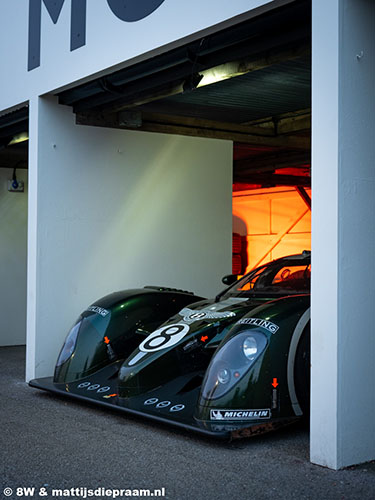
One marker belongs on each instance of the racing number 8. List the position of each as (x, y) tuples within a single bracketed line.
[(164, 337), (163, 334)]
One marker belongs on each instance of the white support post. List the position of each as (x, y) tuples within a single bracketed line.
[(343, 233), (32, 239)]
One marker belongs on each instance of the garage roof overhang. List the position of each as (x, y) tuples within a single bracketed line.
[(260, 98)]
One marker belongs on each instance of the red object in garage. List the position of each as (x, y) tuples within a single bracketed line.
[(236, 243), (236, 264)]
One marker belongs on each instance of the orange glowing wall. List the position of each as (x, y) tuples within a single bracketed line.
[(274, 221)]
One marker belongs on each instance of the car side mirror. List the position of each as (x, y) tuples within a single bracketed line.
[(229, 279)]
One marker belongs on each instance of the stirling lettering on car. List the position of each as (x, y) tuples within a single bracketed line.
[(267, 325), (99, 310)]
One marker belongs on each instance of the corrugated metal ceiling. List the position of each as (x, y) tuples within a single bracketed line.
[(271, 91)]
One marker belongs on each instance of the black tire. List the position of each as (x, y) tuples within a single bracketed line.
[(302, 372)]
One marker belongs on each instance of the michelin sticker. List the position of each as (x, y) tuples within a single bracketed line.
[(99, 310), (240, 414), (263, 323)]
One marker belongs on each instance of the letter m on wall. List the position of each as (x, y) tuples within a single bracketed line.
[(53, 7)]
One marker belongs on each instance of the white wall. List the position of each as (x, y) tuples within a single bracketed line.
[(13, 249), (109, 40), (343, 233), (112, 209)]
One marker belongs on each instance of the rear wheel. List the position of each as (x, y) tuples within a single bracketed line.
[(302, 372)]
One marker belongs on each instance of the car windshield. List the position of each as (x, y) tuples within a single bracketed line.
[(277, 278)]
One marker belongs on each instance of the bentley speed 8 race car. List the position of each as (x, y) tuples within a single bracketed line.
[(232, 366)]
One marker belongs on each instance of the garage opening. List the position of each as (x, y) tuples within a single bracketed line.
[(245, 91), (13, 225), (249, 84)]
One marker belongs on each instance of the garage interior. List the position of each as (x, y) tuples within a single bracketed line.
[(249, 84), (13, 225)]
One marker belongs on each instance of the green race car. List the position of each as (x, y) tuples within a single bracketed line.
[(236, 365)]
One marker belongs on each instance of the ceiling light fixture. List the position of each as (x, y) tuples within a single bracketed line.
[(192, 82), (222, 72), (22, 137)]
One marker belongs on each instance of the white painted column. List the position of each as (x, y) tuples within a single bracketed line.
[(343, 233), (114, 209), (32, 240)]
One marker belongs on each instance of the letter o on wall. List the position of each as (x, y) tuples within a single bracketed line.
[(133, 10)]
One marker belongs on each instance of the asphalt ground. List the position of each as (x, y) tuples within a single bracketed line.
[(49, 442)]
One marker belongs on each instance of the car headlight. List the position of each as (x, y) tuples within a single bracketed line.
[(69, 344), (223, 376), (250, 347), (231, 363)]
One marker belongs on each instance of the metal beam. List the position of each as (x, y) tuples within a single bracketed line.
[(306, 198), (196, 128), (200, 123), (272, 180), (271, 161), (286, 123)]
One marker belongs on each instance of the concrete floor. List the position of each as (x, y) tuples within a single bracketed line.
[(51, 442)]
